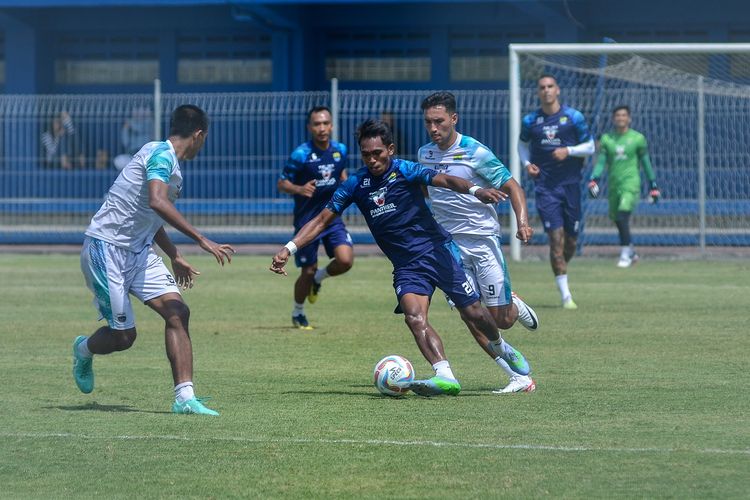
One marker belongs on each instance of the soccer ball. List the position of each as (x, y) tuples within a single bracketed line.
[(391, 373)]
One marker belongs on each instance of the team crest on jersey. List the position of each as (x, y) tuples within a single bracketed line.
[(325, 171), (336, 156), (378, 197), (550, 132), (563, 120)]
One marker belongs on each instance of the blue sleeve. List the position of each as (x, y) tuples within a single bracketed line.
[(343, 196), (414, 172), (582, 128), (159, 166), (490, 168), (293, 165), (526, 128)]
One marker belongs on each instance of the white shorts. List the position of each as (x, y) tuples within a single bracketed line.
[(484, 263), (112, 273)]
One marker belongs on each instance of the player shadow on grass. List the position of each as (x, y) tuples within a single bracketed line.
[(94, 406), (376, 395)]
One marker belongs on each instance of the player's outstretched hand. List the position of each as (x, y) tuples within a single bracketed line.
[(279, 261), (525, 233), (219, 251), (533, 170), (183, 272), (593, 189), (308, 190), (490, 195)]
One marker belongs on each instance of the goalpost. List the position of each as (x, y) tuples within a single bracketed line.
[(691, 101)]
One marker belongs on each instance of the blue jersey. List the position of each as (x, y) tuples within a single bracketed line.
[(544, 134), (307, 163), (395, 210)]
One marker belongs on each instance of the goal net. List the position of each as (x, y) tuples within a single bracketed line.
[(693, 105)]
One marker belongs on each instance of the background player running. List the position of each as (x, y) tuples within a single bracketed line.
[(388, 194), (554, 140), (621, 152), (313, 172)]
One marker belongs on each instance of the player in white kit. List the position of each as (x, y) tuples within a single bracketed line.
[(117, 258), (474, 226)]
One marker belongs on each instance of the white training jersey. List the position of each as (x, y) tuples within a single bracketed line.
[(469, 159), (125, 219)]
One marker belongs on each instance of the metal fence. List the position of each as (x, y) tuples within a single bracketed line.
[(230, 188)]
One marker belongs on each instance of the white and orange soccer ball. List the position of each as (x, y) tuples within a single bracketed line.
[(392, 374)]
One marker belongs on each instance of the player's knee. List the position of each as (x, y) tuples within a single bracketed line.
[(309, 271), (345, 263), (415, 321), (124, 339), (178, 315), (505, 317)]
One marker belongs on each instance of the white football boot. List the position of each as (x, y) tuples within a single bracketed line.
[(518, 383)]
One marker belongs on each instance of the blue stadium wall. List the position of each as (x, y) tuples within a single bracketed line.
[(281, 45)]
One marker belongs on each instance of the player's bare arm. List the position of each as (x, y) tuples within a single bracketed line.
[(181, 268), (307, 190), (304, 236), (459, 185), (160, 203), (514, 191)]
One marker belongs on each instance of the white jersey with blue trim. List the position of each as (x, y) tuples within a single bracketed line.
[(469, 159), (125, 219)]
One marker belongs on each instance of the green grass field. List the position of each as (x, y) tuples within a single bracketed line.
[(642, 392)]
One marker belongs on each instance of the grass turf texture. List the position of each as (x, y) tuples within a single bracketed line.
[(642, 392)]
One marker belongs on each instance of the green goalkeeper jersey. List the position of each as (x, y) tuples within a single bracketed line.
[(622, 154)]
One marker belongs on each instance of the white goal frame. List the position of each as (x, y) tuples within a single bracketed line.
[(608, 48)]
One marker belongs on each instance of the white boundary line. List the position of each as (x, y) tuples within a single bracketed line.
[(373, 442)]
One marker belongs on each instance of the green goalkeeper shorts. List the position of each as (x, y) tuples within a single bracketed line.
[(622, 201)]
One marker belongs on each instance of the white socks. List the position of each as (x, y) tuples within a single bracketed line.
[(298, 309), (184, 392), (506, 368), (321, 274), (443, 369), (83, 349), (562, 285)]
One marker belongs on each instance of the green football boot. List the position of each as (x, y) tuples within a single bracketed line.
[(193, 406), (83, 372), (435, 386)]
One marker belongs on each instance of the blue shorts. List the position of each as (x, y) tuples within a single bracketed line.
[(441, 269), (333, 236), (560, 207)]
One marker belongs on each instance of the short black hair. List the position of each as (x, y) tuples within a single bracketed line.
[(317, 109), (445, 99), (375, 128), (186, 119), (621, 107), (546, 75)]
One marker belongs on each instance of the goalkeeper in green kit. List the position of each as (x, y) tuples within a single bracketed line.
[(622, 151)]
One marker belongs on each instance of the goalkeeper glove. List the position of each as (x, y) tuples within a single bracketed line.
[(654, 193), (594, 188)]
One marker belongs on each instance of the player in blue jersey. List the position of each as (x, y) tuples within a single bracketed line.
[(554, 141), (117, 259), (313, 172), (388, 193)]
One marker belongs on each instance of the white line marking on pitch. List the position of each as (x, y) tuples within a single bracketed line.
[(376, 442)]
